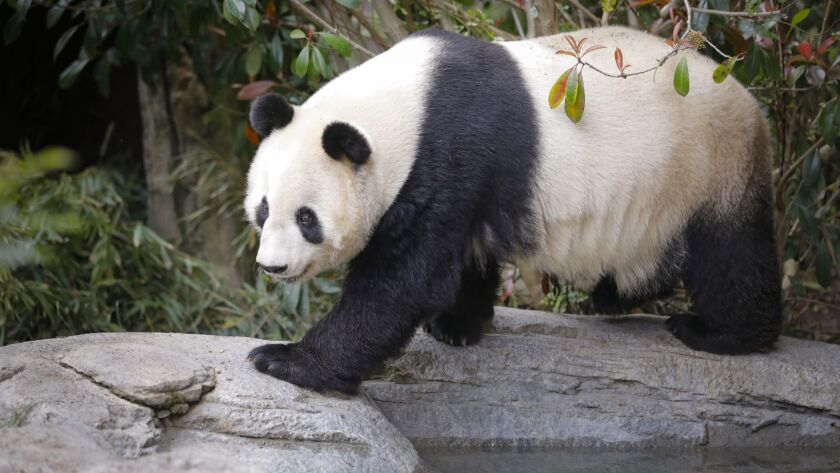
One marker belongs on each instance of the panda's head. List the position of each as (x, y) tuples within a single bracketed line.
[(304, 190)]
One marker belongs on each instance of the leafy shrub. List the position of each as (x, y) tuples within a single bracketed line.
[(75, 258)]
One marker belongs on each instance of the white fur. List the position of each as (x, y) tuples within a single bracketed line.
[(385, 101), (616, 188)]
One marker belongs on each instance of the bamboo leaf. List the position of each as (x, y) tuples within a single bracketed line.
[(800, 16), (681, 84)]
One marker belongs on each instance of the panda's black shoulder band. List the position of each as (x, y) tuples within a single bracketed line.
[(341, 139), (270, 112)]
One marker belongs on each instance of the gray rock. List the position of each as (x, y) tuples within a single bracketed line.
[(545, 380), (171, 402)]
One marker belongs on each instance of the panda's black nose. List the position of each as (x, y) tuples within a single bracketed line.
[(273, 269)]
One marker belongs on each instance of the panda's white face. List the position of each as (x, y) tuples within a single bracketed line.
[(305, 203)]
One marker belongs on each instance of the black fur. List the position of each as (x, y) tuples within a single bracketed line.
[(270, 112), (461, 325), (734, 279), (262, 213), (471, 181), (310, 227), (341, 139)]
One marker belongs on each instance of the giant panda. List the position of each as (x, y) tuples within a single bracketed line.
[(431, 163)]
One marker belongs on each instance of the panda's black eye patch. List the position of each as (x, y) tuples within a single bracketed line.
[(310, 228), (262, 212)]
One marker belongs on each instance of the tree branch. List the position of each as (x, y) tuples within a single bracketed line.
[(390, 22), (585, 11), (780, 186), (371, 29), (324, 24), (737, 13)]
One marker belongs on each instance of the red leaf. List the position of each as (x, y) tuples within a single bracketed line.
[(825, 45), (567, 53), (255, 89), (573, 43), (558, 90), (271, 12), (594, 47), (670, 42), (804, 49), (677, 28), (619, 59), (580, 43), (251, 135)]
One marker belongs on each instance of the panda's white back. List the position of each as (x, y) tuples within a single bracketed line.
[(615, 189)]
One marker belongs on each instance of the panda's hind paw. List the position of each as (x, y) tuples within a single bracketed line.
[(697, 335), (452, 331)]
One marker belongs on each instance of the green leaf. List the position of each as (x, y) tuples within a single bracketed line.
[(252, 19), (318, 62), (681, 77), (63, 40), (275, 53), (800, 16), (233, 10), (351, 4), (575, 96), (828, 121), (68, 76), (102, 76), (301, 65), (608, 5), (339, 44), (811, 169), (137, 236), (13, 27), (771, 66), (558, 90), (53, 15), (297, 34), (822, 265), (253, 60), (723, 70), (22, 6)]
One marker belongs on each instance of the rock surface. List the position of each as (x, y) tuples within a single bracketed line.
[(542, 380), (172, 402)]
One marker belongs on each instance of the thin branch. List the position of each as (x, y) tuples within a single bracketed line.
[(409, 16), (780, 186), (659, 64), (518, 23), (825, 20), (566, 15), (742, 14), (324, 24), (530, 20), (365, 22), (390, 22), (585, 11)]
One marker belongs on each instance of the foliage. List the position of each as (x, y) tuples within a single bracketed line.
[(94, 266), (785, 52)]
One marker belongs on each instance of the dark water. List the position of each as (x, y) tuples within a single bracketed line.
[(706, 460)]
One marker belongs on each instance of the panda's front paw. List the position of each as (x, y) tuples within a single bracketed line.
[(453, 330), (297, 365)]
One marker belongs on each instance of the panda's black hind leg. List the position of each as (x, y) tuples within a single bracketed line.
[(733, 277), (462, 324)]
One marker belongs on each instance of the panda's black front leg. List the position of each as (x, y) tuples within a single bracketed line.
[(462, 324), (386, 296)]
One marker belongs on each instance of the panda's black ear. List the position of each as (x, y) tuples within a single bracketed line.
[(270, 112), (341, 139)]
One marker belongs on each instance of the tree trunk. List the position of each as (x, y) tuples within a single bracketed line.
[(159, 150)]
